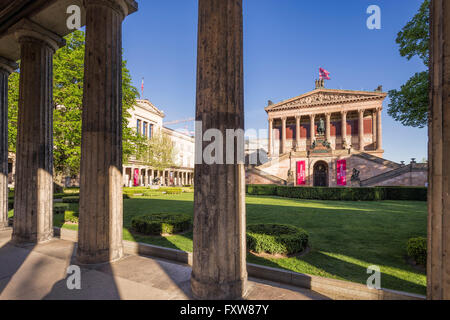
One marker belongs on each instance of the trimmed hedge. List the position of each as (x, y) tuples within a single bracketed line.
[(60, 208), (161, 223), (71, 199), (417, 250), (340, 193), (276, 238)]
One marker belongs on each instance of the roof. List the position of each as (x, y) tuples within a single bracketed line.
[(147, 105), (323, 97)]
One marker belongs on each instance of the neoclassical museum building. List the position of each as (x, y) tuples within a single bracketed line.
[(146, 119), (330, 137)]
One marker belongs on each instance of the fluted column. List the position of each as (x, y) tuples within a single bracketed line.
[(101, 208), (344, 128), (312, 128), (379, 130), (6, 68), (219, 259), (33, 200), (283, 135), (297, 133), (269, 148), (328, 126), (438, 262), (361, 129)]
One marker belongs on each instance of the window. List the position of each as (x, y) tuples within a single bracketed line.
[(150, 130), (145, 129), (138, 126)]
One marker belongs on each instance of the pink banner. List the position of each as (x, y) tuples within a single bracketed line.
[(341, 172), (301, 176), (136, 177)]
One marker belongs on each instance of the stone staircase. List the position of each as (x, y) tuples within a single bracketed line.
[(413, 167)]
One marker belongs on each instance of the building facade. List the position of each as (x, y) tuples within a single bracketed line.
[(147, 119), (330, 137)]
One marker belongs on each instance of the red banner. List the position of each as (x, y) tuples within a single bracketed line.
[(341, 172), (301, 175), (136, 177)]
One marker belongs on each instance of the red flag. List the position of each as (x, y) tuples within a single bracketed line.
[(324, 74), (142, 88)]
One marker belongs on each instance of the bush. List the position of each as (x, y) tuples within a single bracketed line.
[(60, 208), (341, 193), (71, 199), (276, 238), (417, 250), (10, 204), (58, 195), (71, 217), (162, 223)]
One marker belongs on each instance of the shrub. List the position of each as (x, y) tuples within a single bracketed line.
[(71, 199), (71, 216), (58, 195), (341, 193), (417, 250), (162, 223), (276, 238), (60, 208), (10, 204)]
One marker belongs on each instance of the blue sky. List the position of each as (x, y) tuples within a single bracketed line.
[(285, 43)]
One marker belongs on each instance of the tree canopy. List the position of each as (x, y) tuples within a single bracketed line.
[(158, 152), (409, 105), (68, 75)]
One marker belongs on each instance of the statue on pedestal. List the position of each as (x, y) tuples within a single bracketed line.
[(321, 127)]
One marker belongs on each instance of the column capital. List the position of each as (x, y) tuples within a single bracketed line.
[(8, 65), (124, 7), (328, 114), (361, 111), (298, 116), (26, 30), (271, 120), (344, 112), (284, 118), (312, 115)]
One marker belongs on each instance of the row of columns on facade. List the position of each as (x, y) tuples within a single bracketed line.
[(180, 178), (327, 130)]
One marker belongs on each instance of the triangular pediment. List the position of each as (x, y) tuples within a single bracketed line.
[(326, 97), (146, 104)]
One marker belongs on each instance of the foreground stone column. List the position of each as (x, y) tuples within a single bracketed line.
[(283, 135), (6, 68), (438, 262), (297, 133), (101, 204), (379, 130), (219, 260), (344, 128), (269, 147), (361, 129), (33, 200)]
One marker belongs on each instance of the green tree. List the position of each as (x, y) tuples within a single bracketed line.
[(68, 72), (159, 152), (409, 105)]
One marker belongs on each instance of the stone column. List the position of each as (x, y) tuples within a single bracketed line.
[(219, 259), (297, 133), (6, 68), (101, 205), (328, 126), (344, 128), (438, 262), (379, 130), (312, 128), (283, 135), (33, 201), (361, 129), (270, 147)]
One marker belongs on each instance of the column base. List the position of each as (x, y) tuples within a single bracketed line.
[(99, 257), (235, 290), (31, 239)]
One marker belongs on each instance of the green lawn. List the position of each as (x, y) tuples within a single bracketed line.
[(345, 237)]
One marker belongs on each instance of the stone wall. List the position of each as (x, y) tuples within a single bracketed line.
[(407, 179)]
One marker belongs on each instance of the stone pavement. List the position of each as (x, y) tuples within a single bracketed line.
[(39, 272)]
